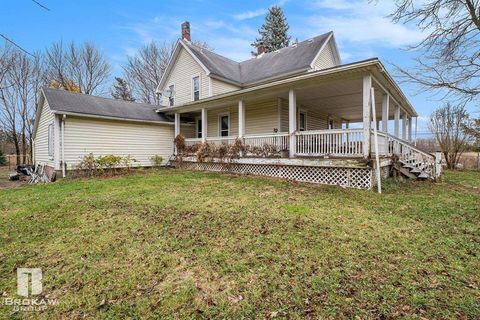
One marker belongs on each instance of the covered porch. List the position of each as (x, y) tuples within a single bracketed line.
[(324, 127), (331, 119)]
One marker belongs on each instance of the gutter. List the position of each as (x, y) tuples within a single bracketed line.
[(109, 118)]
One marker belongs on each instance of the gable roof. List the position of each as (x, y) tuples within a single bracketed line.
[(66, 102), (289, 60)]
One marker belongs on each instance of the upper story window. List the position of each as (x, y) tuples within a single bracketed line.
[(196, 88), (171, 98)]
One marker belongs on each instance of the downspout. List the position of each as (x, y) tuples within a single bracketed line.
[(62, 129)]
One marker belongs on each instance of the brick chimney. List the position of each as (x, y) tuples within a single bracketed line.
[(186, 31), (260, 49)]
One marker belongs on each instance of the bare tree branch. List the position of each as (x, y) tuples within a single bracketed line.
[(144, 71), (76, 68), (449, 54)]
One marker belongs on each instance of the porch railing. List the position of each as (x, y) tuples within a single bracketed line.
[(279, 141), (337, 142), (220, 140)]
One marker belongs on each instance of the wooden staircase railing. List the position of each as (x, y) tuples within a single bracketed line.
[(418, 162)]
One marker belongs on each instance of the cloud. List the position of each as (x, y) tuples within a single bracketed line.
[(250, 14), (360, 25)]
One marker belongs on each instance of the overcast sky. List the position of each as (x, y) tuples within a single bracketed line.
[(119, 28)]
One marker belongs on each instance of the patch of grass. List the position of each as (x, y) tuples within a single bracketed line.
[(180, 244)]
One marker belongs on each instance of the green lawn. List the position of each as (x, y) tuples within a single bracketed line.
[(178, 244)]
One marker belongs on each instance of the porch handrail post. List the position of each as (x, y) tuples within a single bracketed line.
[(204, 125), (385, 112), (367, 85), (292, 121)]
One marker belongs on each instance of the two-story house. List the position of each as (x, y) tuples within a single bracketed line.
[(322, 121)]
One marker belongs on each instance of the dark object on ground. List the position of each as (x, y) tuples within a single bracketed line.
[(25, 169), (14, 176)]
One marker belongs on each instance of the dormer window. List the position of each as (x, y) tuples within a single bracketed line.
[(196, 88)]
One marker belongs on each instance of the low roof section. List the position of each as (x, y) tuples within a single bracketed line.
[(79, 104), (66, 102)]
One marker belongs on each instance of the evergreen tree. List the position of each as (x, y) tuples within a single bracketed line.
[(274, 32), (121, 91)]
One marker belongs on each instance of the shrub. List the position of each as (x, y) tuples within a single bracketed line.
[(156, 160), (107, 165), (128, 161)]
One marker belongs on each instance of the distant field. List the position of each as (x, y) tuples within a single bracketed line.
[(179, 244)]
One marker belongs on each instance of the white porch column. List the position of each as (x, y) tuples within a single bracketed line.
[(292, 120), (404, 126), (177, 124), (204, 125), (396, 126), (367, 85), (241, 119), (385, 111), (409, 130)]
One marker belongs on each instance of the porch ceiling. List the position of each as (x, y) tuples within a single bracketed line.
[(342, 98)]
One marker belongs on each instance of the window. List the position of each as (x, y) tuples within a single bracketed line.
[(171, 97), (196, 88), (224, 124), (199, 127), (50, 140), (302, 125)]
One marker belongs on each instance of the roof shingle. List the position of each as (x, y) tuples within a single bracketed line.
[(71, 102), (281, 62)]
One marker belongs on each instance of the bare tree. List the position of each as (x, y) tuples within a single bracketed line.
[(144, 70), (450, 51), (26, 76), (79, 67), (448, 125), (121, 90), (19, 87)]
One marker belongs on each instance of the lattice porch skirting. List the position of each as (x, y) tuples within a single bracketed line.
[(360, 178)]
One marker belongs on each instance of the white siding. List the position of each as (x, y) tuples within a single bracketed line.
[(326, 59), (184, 68), (219, 87), (41, 138), (122, 138), (261, 117), (213, 129)]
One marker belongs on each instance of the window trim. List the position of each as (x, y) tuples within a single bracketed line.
[(174, 97), (302, 111), (198, 128), (199, 86), (220, 115)]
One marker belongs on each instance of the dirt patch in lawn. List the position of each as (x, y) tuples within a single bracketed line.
[(5, 183)]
